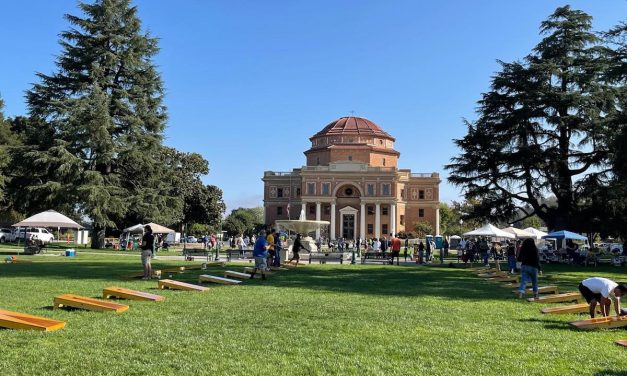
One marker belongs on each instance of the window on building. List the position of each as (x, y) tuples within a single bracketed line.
[(385, 189), (279, 192), (326, 189), (384, 161), (384, 229), (370, 209), (370, 189), (370, 228), (312, 209), (311, 188), (384, 210), (279, 210), (297, 192), (327, 210), (421, 194), (421, 213), (402, 220), (403, 193), (350, 157)]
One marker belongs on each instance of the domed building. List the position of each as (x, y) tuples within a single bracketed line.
[(352, 180)]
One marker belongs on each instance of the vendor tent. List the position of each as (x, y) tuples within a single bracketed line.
[(156, 229), (537, 233), (49, 218), (491, 231), (518, 233), (137, 229), (563, 234)]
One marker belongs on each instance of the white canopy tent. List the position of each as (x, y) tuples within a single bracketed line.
[(491, 231), (518, 233), (537, 234), (156, 229), (49, 218)]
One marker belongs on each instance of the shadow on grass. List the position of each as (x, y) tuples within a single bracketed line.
[(610, 373), (552, 324)]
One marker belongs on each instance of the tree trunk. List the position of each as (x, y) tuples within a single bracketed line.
[(97, 237)]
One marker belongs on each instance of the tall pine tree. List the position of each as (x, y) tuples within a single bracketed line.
[(103, 109), (540, 127)]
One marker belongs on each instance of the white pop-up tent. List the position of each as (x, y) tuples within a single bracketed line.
[(536, 233), (49, 218), (156, 229), (518, 233), (491, 231)]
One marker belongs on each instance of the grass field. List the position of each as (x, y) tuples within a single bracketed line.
[(323, 319)]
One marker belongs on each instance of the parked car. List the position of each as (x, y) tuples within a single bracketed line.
[(38, 233), (192, 239), (5, 235)]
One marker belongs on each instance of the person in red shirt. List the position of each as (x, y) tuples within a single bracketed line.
[(396, 249)]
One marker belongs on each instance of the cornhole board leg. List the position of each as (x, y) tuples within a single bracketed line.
[(122, 293), (82, 302), (23, 321), (601, 323), (216, 279)]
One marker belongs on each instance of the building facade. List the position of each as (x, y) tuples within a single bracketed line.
[(352, 180)]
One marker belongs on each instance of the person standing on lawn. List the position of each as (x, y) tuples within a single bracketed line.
[(270, 244), (396, 249), (296, 248), (148, 242), (602, 291), (278, 244), (260, 254), (511, 257), (530, 261)]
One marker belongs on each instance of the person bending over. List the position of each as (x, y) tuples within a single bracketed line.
[(602, 291)]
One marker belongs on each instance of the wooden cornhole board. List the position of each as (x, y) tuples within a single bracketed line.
[(541, 290), (572, 308), (234, 274), (82, 302), (17, 320), (178, 269), (601, 323), (122, 293), (155, 274), (622, 342), (504, 279), (492, 274), (250, 271), (215, 263), (557, 298), (193, 267), (216, 279), (177, 285)]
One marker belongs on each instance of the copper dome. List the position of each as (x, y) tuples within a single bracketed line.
[(351, 125)]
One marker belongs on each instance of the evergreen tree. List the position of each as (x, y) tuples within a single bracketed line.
[(540, 126), (8, 140), (103, 109)]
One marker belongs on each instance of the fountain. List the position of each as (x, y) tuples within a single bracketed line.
[(304, 227)]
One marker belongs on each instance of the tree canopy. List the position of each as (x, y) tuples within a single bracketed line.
[(543, 129)]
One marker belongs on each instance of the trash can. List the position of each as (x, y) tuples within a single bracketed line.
[(70, 252)]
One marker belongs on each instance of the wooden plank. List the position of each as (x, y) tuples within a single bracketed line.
[(608, 322), (155, 274), (193, 267), (216, 279), (504, 279), (572, 308), (122, 293), (178, 285), (178, 269), (622, 342), (215, 263), (250, 270), (557, 298), (23, 321), (234, 274), (90, 304), (541, 290)]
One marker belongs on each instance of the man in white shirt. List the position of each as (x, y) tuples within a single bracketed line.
[(603, 291)]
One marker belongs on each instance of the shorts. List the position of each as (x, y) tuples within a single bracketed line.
[(271, 252), (146, 255), (296, 256), (588, 294), (260, 263), (396, 254)]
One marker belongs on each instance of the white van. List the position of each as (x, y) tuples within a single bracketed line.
[(38, 233)]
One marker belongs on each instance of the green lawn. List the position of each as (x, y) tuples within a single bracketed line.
[(323, 319)]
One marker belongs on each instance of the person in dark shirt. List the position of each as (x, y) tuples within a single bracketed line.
[(530, 261), (148, 242), (511, 257), (296, 247)]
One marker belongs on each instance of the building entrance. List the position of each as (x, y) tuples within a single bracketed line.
[(348, 226)]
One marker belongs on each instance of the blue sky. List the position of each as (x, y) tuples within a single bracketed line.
[(248, 82)]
